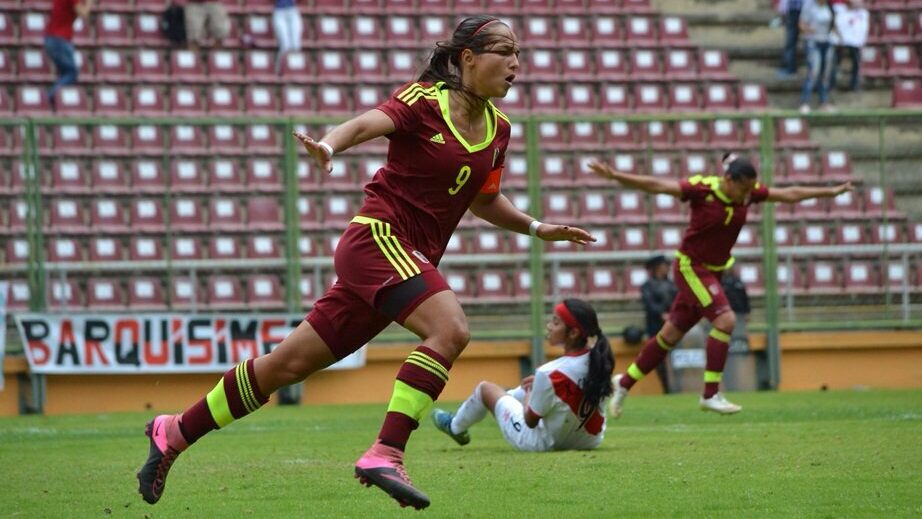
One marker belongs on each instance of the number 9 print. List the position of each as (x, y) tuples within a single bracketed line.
[(463, 176)]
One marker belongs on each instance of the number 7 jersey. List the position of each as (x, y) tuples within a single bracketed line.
[(432, 174)]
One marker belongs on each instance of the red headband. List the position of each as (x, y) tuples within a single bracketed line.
[(481, 27), (564, 313)]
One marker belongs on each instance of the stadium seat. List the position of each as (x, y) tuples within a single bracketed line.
[(668, 238), (872, 61), (264, 292), (614, 98), (145, 293), (333, 99), (538, 30), (752, 96), (224, 67), (640, 30), (185, 294), (673, 31), (401, 63), (110, 101), (515, 101), (748, 237), (147, 176), (668, 209), (367, 97), (893, 28), (147, 215), (68, 177), (224, 248), (792, 132), (595, 207), (691, 164), (633, 238), (308, 216), (565, 282), (148, 65), (545, 98), (558, 205), (815, 234), (542, 65), (297, 67), (556, 170), (64, 250), (186, 248), (489, 242), (187, 176), (366, 31), (836, 166), (307, 246), (606, 31), (147, 29), (261, 100), (887, 233), (259, 67), (634, 276), (258, 30), (262, 175), (823, 277), (645, 65), (897, 276), (902, 60), (400, 29), (602, 282), (147, 101), (915, 232), (689, 134), (309, 293), (852, 234), (610, 65), (337, 211), (112, 29), (67, 216), (907, 93), (571, 30), (7, 28), (263, 246), (719, 97), (31, 101), (295, 99), (64, 294), (751, 276), (649, 97), (105, 248), (32, 27), (846, 205), (187, 100), (72, 101), (713, 65), (186, 67), (800, 167), (69, 139), (368, 65), (17, 251), (784, 237), (145, 248), (263, 214), (879, 201), (724, 134), (460, 284), (108, 215), (225, 214), (679, 65), (225, 293), (262, 138), (861, 277), (221, 100), (34, 66), (493, 284)]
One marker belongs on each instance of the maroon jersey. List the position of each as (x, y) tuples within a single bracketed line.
[(715, 219), (432, 174)]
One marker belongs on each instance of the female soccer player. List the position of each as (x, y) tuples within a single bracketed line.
[(719, 205), (447, 147), (561, 404)]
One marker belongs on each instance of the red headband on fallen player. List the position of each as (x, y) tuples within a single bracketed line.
[(481, 27), (564, 313)]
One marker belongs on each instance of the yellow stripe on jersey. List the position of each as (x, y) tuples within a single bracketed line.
[(390, 246), (499, 113), (415, 92), (713, 183), (693, 281)]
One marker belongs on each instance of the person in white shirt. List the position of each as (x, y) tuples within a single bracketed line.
[(561, 406), (852, 23)]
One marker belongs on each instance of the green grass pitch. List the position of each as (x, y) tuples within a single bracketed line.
[(824, 454)]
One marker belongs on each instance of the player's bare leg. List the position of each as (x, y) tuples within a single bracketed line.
[(650, 356)]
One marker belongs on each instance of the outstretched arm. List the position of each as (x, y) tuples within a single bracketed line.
[(369, 125), (641, 182), (501, 212), (793, 194)]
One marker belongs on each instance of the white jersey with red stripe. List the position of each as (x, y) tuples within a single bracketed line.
[(557, 398)]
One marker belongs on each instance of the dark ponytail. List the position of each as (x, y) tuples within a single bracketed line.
[(445, 60), (738, 168), (597, 384)]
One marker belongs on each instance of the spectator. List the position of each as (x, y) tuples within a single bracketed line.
[(852, 23), (286, 20), (58, 41), (658, 292), (790, 13), (206, 21), (817, 23)]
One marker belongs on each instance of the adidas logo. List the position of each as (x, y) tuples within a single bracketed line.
[(437, 138)]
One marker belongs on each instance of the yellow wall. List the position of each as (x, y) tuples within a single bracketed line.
[(809, 361)]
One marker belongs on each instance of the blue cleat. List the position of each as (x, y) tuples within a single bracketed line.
[(442, 420)]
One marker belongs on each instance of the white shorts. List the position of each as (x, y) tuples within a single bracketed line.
[(510, 415)]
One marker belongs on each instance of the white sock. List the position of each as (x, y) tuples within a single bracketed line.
[(470, 412)]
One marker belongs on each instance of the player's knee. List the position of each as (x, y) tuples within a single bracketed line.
[(455, 334), (725, 321)]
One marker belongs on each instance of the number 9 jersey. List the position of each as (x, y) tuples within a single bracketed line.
[(432, 173)]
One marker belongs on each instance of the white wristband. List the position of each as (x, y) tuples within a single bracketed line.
[(533, 227), (326, 147)]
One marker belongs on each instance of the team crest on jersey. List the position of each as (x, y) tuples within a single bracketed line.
[(709, 198), (420, 256), (714, 288), (437, 138)]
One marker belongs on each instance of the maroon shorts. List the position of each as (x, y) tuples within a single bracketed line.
[(380, 278), (700, 294)]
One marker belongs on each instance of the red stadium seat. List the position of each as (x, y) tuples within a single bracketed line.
[(186, 66), (337, 211), (72, 100), (668, 208), (223, 138), (264, 214), (489, 242), (595, 207), (800, 166), (7, 29), (185, 293), (111, 101), (584, 135), (602, 282), (107, 215), (368, 65), (907, 93), (713, 65), (559, 205), (147, 29), (668, 238), (673, 30), (611, 65), (719, 97), (897, 276), (792, 132), (748, 237), (261, 100), (724, 134), (262, 175), (633, 238), (852, 234), (149, 66), (493, 284), (224, 248), (145, 293), (366, 31), (903, 61), (572, 30), (894, 28), (815, 234), (515, 101), (692, 164), (679, 65), (31, 101), (811, 209), (262, 138), (648, 97), (565, 282), (32, 27), (184, 248), (621, 135), (552, 135), (145, 248), (186, 176), (400, 29), (111, 65), (225, 292), (223, 66), (433, 27), (259, 66), (147, 100), (111, 140), (112, 29), (823, 277), (68, 177), (861, 276), (542, 64), (333, 99), (915, 232), (67, 216), (538, 30), (147, 215), (225, 214), (545, 98), (17, 250), (556, 170), (34, 65), (614, 98), (105, 248), (264, 292), (64, 295), (187, 140), (147, 177), (887, 233), (640, 30), (460, 284), (295, 99), (187, 214), (222, 100), (401, 63), (64, 250), (261, 246), (634, 277), (689, 135), (645, 64), (187, 100), (872, 61), (836, 165), (297, 67), (783, 235), (878, 201), (308, 215), (606, 31), (752, 96), (69, 139), (367, 97)]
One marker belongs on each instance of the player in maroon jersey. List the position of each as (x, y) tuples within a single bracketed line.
[(719, 205), (447, 148)]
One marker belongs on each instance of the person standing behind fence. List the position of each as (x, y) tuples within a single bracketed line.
[(658, 292), (59, 35), (817, 23), (719, 207), (286, 21), (790, 12), (852, 23)]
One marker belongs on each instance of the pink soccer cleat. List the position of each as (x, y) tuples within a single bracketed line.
[(166, 442), (382, 466)]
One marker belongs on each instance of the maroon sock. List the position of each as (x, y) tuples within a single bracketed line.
[(653, 352), (419, 382), (717, 346), (236, 392)]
